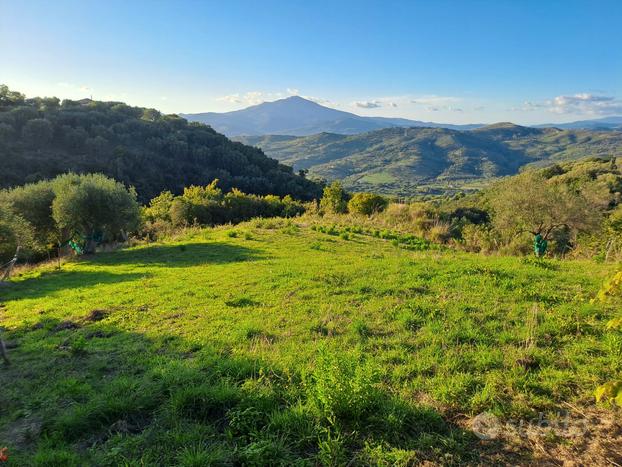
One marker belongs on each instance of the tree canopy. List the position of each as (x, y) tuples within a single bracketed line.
[(41, 138)]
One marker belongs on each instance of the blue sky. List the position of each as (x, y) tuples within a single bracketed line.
[(446, 61)]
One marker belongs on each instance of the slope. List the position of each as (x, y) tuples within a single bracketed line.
[(41, 138)]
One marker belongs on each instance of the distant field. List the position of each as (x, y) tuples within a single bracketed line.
[(272, 343)]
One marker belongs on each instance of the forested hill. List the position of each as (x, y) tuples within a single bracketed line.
[(405, 161), (43, 137)]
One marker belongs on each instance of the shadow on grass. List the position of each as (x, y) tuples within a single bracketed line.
[(171, 256), (50, 282), (180, 255), (95, 394)]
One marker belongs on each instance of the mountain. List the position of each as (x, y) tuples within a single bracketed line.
[(406, 161), (301, 117), (41, 138), (606, 123)]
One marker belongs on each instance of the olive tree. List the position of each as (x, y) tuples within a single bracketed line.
[(93, 207), (14, 232), (531, 203), (33, 202)]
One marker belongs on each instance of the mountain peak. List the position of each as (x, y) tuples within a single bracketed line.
[(298, 116)]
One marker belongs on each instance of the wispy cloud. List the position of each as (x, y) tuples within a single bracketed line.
[(247, 98), (257, 97), (367, 104), (581, 103), (434, 100)]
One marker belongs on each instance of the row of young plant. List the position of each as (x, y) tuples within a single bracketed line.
[(409, 241)]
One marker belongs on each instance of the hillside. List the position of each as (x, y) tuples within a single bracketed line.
[(283, 345), (419, 160), (604, 123), (301, 117), (42, 137)]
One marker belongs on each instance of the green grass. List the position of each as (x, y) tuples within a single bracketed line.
[(287, 345)]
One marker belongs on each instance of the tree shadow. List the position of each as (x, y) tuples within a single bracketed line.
[(49, 282), (180, 255), (171, 256), (92, 393)]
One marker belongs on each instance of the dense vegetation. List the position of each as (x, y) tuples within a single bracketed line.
[(413, 161), (274, 343), (43, 137), (81, 210)]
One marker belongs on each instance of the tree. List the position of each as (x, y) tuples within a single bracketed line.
[(334, 199), (9, 98), (531, 203), (367, 203), (38, 132), (93, 207), (33, 203), (14, 231)]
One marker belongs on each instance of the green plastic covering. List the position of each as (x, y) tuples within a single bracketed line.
[(539, 245)]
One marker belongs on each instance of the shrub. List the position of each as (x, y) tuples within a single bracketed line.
[(342, 387), (33, 203), (14, 232), (93, 205), (334, 199), (367, 203)]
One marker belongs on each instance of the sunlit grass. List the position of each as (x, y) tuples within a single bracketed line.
[(280, 343)]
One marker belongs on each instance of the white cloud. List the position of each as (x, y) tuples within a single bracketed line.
[(393, 104), (247, 98), (585, 103), (293, 91), (435, 100), (367, 104), (581, 103)]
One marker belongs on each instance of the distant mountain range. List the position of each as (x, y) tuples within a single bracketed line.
[(296, 116), (301, 117), (605, 123), (406, 161)]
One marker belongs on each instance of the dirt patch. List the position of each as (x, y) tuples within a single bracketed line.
[(21, 432), (64, 325), (572, 438), (96, 315)]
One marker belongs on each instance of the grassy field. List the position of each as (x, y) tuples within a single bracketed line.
[(273, 343)]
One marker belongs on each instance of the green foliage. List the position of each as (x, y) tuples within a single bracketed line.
[(611, 288), (531, 203), (611, 391), (14, 231), (334, 199), (33, 202), (41, 138), (208, 205), (342, 387), (44, 214), (93, 205), (367, 203)]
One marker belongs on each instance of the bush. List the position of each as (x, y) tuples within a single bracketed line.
[(93, 207), (334, 199), (367, 204), (209, 206)]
